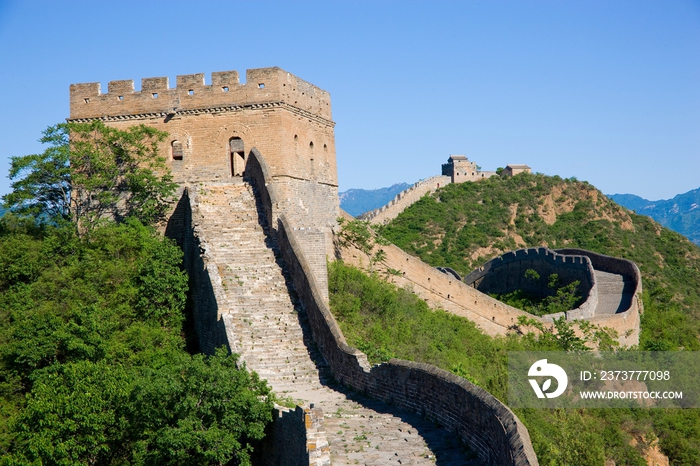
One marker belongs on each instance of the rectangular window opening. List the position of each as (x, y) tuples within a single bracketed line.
[(261, 85), (176, 150), (225, 88), (87, 101), (121, 97), (190, 92), (155, 95)]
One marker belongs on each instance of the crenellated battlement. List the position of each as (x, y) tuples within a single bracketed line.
[(156, 98)]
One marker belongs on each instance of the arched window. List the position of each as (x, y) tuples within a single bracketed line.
[(176, 150), (237, 156)]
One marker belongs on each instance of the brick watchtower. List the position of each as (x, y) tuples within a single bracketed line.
[(212, 129)]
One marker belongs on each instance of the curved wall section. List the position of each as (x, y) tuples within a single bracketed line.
[(609, 264), (507, 273), (486, 424)]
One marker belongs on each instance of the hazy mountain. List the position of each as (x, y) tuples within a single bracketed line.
[(681, 214), (359, 201)]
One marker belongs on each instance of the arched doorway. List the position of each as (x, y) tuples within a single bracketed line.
[(237, 156)]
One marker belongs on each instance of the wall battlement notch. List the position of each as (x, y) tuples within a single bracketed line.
[(263, 86)]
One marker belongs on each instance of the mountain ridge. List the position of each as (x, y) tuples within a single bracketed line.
[(358, 201), (464, 225), (680, 214)]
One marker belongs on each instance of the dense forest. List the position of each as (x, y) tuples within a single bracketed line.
[(464, 225), (97, 360)]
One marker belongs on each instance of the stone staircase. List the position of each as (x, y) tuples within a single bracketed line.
[(615, 292), (268, 327)]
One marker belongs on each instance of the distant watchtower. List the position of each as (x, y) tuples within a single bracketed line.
[(460, 169), (213, 127), (513, 169)]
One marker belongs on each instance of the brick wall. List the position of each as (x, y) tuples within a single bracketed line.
[(404, 199), (280, 115), (263, 85), (314, 234), (296, 437), (488, 426), (626, 323), (442, 291), (204, 284), (506, 273)]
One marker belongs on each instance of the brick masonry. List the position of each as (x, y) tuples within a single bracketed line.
[(442, 291), (296, 437), (217, 134), (458, 169), (486, 424), (404, 199), (278, 114), (506, 273)]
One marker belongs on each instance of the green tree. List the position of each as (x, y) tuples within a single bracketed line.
[(200, 410), (363, 236), (91, 172), (93, 367), (181, 409)]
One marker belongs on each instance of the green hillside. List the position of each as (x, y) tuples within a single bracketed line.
[(94, 367), (387, 322), (464, 225)]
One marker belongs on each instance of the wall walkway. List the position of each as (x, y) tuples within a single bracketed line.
[(404, 199), (442, 291), (256, 290), (244, 298)]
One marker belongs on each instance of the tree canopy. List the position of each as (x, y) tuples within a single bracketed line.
[(93, 362), (91, 172), (93, 365)]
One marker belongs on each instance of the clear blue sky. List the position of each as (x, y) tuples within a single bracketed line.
[(607, 91)]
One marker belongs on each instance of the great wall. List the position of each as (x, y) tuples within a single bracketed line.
[(458, 169), (611, 286), (256, 218)]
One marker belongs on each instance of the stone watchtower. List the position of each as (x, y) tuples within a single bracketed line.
[(212, 129), (461, 169)]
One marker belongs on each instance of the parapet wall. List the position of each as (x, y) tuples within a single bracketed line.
[(205, 286), (443, 291), (486, 424), (295, 437), (404, 199), (507, 273), (263, 85), (626, 323), (316, 240), (609, 264), (493, 317)]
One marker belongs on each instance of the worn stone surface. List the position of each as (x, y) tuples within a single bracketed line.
[(491, 430), (266, 325), (264, 295), (213, 127)]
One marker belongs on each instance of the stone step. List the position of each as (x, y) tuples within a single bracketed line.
[(271, 331)]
